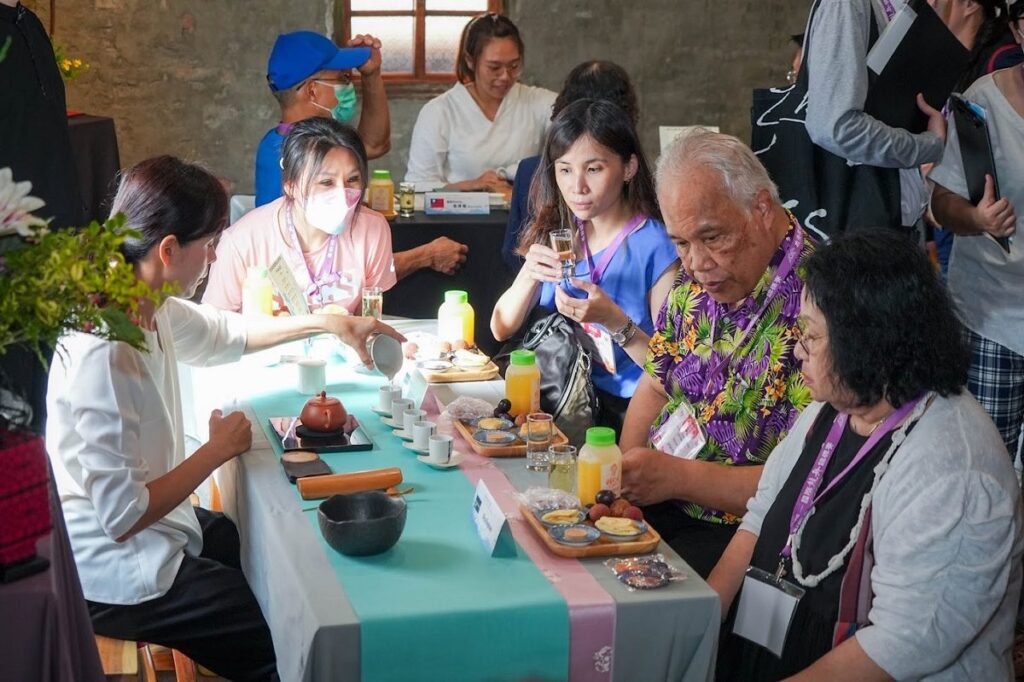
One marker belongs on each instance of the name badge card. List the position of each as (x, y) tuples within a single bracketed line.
[(491, 524), (457, 203), (680, 435), (766, 609), (604, 343), (286, 284)]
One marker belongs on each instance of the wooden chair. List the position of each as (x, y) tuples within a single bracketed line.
[(120, 658)]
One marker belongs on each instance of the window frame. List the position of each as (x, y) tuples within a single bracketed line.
[(418, 81)]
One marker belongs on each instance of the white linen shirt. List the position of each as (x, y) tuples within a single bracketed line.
[(946, 520), (453, 140), (983, 279), (114, 425)]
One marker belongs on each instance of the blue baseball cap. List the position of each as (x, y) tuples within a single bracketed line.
[(297, 56)]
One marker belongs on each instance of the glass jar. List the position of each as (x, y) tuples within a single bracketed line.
[(406, 199), (382, 192)]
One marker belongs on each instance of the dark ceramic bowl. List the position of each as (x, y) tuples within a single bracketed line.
[(362, 524)]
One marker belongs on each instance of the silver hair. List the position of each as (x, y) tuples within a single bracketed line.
[(741, 172)]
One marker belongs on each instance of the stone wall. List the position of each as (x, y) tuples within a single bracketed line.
[(187, 77)]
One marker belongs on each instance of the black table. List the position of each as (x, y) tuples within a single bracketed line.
[(483, 274), (97, 162)]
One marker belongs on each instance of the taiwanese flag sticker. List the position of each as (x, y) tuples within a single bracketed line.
[(437, 202)]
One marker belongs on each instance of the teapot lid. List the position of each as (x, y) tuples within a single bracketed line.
[(323, 399)]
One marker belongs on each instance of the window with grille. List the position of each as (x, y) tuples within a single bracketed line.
[(419, 38)]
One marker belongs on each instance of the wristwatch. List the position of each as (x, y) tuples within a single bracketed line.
[(623, 336)]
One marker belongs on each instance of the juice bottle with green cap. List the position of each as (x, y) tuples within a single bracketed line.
[(382, 192), (455, 318), (599, 465), (257, 292), (522, 382)]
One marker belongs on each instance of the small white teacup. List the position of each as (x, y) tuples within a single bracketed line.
[(421, 433), (410, 417), (386, 395), (312, 376), (397, 408), (439, 448)]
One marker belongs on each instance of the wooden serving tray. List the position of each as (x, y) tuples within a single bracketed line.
[(456, 375), (513, 450), (647, 542)]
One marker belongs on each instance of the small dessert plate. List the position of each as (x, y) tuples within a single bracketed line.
[(421, 451), (434, 365), (553, 519), (493, 438), (574, 535), (454, 461), (493, 423), (616, 537)]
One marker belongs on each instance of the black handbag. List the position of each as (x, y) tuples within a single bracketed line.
[(564, 357), (826, 194)]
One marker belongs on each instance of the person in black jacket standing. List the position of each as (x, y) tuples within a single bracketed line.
[(36, 146)]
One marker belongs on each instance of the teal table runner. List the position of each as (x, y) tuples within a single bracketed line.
[(435, 606)]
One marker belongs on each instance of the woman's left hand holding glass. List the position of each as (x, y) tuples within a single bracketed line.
[(597, 307)]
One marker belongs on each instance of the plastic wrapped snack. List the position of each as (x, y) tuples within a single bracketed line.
[(548, 498), (644, 572), (466, 408)]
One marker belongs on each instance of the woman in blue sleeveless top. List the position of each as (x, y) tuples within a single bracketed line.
[(595, 181)]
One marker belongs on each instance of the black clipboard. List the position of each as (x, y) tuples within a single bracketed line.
[(976, 152), (924, 56)]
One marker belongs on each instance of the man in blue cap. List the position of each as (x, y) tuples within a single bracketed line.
[(311, 76)]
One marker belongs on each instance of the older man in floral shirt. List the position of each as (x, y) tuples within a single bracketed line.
[(722, 386)]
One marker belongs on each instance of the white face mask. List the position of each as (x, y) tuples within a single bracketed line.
[(332, 211)]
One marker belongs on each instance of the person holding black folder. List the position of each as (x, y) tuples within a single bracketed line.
[(839, 35), (984, 278)]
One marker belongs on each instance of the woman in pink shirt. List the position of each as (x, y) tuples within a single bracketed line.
[(332, 245)]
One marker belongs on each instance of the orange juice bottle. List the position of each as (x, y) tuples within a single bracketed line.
[(599, 465), (522, 382)]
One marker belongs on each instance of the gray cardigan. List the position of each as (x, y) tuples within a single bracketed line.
[(947, 524)]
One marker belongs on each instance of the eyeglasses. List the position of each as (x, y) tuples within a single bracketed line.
[(495, 68), (803, 338), (343, 79)]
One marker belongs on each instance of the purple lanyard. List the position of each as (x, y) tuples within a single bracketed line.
[(789, 260), (887, 7), (284, 128), (809, 495), (326, 275), (597, 272)]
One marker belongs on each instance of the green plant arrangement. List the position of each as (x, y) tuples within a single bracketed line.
[(53, 282), (69, 67)]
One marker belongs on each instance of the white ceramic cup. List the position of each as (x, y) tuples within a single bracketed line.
[(410, 417), (440, 448), (386, 395), (421, 433), (312, 376), (397, 408)]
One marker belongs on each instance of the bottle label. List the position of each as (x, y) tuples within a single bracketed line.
[(379, 199), (611, 477)]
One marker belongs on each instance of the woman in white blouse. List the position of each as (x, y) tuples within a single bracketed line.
[(473, 136), (153, 568)]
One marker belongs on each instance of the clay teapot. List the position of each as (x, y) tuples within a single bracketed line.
[(323, 413)]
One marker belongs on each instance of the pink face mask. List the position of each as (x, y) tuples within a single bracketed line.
[(332, 211)]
